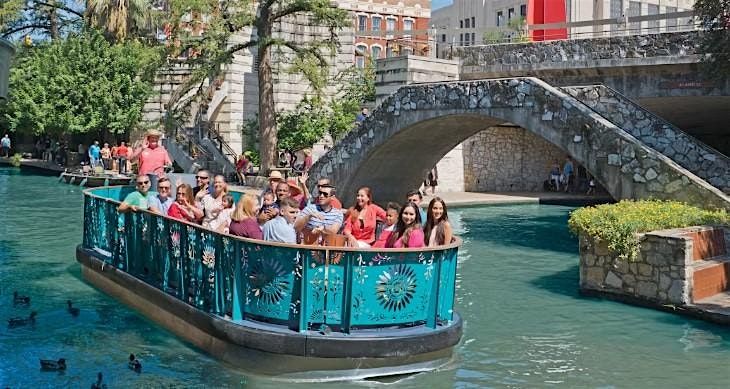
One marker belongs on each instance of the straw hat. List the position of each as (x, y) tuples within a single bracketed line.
[(153, 133), (275, 175)]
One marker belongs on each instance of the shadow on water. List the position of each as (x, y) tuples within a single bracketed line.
[(539, 232), (564, 283)]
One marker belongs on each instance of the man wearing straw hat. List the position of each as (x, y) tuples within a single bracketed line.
[(153, 158)]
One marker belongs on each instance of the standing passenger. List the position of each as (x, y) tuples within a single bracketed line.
[(153, 158)]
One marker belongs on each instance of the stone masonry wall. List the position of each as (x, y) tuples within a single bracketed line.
[(508, 159), (662, 274), (695, 156)]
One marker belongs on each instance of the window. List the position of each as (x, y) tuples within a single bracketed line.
[(617, 11), (634, 10), (473, 23), (389, 52), (510, 14), (461, 24), (523, 10), (671, 23), (362, 22), (443, 37), (466, 23), (653, 9), (376, 23), (461, 39), (407, 26), (390, 25), (473, 41), (360, 56), (466, 39), (500, 19), (376, 52)]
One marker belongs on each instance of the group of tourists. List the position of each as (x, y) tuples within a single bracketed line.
[(286, 213)]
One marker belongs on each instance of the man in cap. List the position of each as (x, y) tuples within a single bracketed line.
[(153, 158)]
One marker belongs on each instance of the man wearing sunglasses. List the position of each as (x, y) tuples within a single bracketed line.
[(322, 217), (326, 184), (202, 178), (140, 198)]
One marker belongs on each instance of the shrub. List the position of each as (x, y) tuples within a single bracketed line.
[(618, 224)]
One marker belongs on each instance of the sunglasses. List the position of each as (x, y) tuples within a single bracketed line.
[(325, 194), (163, 187), (202, 178), (143, 183)]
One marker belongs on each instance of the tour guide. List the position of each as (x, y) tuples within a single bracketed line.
[(153, 158)]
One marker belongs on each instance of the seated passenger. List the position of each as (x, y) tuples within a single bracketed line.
[(163, 199), (391, 218), (243, 219), (326, 183), (362, 220), (320, 218), (184, 206), (268, 205), (140, 198), (281, 228), (437, 231), (282, 191), (407, 233), (212, 204), (414, 196)]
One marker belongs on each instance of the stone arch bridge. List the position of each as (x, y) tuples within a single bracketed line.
[(395, 147)]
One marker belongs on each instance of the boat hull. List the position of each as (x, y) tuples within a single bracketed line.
[(275, 351)]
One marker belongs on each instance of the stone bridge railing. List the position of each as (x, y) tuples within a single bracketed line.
[(690, 153), (669, 48)]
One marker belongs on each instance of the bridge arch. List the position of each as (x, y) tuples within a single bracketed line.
[(415, 127)]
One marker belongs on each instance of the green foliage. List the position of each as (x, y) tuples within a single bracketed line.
[(78, 85), (44, 18), (250, 133), (313, 118), (120, 19), (15, 159), (715, 18), (618, 224)]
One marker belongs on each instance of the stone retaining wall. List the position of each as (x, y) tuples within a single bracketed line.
[(508, 159), (662, 274)]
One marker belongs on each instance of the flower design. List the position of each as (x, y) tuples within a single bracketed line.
[(268, 281), (175, 240), (209, 257), (395, 287)]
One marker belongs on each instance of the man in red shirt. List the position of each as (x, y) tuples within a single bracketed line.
[(153, 158), (122, 152)]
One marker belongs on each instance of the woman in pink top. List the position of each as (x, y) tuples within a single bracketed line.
[(184, 207), (362, 219), (437, 230), (407, 233)]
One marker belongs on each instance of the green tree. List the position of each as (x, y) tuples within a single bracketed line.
[(119, 19), (715, 17), (226, 17), (80, 84), (314, 117), (50, 18)]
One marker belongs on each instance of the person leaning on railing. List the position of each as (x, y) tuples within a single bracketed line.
[(140, 198), (318, 219)]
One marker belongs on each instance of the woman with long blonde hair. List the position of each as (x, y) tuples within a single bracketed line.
[(243, 219)]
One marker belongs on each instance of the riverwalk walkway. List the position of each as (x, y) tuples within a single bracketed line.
[(36, 165)]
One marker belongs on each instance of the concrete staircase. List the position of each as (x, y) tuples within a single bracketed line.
[(687, 151), (198, 147)]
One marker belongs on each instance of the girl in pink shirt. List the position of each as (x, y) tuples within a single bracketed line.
[(407, 233)]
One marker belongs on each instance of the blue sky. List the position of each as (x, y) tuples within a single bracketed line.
[(439, 3)]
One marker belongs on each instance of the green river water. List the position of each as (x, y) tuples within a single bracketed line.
[(525, 324)]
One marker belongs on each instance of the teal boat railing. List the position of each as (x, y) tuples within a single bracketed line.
[(302, 287)]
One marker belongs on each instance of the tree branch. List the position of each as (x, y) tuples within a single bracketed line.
[(61, 7), (12, 31)]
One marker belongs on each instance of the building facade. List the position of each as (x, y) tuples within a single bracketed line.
[(373, 20), (476, 22)]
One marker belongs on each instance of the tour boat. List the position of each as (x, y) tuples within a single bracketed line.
[(290, 312)]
